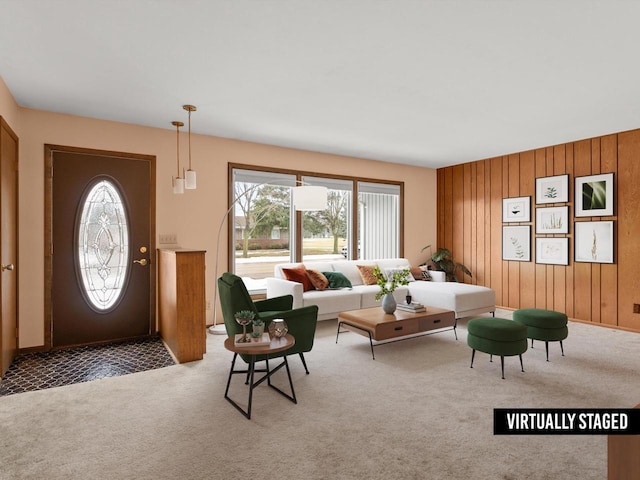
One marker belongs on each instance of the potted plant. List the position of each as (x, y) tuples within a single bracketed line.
[(244, 318), (258, 326), (388, 285), (442, 259)]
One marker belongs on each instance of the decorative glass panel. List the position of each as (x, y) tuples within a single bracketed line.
[(103, 246)]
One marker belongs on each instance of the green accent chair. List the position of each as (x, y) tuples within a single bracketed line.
[(301, 322), (545, 325), (497, 336)]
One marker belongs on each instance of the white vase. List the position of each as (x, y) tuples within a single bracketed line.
[(389, 303)]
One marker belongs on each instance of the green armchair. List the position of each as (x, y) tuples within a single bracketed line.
[(301, 321)]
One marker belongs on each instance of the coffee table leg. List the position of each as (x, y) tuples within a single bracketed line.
[(371, 343)]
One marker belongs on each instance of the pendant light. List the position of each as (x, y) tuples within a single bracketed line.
[(178, 182), (190, 174)]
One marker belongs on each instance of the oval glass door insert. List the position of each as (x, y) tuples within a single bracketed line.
[(103, 246)]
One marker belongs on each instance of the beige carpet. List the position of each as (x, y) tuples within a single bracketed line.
[(417, 412)]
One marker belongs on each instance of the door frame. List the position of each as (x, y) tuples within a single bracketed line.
[(5, 126), (49, 150)]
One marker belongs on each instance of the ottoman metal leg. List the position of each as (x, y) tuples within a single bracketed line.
[(502, 365), (561, 348), (521, 365), (473, 354)]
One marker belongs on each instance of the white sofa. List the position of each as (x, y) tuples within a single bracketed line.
[(464, 299)]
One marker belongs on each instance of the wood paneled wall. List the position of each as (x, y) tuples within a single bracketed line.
[(470, 225)]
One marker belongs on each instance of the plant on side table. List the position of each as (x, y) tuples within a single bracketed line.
[(258, 327), (442, 259), (244, 318), (388, 285)]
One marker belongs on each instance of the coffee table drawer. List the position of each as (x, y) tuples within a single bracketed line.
[(401, 328), (440, 321)]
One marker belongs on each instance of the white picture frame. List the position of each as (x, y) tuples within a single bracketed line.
[(594, 196), (552, 220), (594, 242), (516, 243), (552, 189), (552, 250), (516, 209)]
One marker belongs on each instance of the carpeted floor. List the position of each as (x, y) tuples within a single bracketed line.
[(415, 412), (38, 371)]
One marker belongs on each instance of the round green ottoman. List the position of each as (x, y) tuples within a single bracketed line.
[(497, 336), (545, 325)]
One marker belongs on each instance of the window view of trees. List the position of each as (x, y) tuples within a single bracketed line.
[(263, 214), (264, 227)]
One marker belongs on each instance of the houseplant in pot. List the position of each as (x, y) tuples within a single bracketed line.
[(244, 318), (387, 286), (442, 259)]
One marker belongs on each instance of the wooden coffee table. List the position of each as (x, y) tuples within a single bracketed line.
[(400, 325)]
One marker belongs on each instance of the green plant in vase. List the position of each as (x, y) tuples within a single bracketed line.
[(244, 318), (388, 284), (258, 327)]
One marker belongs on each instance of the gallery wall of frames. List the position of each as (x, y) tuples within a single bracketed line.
[(555, 228)]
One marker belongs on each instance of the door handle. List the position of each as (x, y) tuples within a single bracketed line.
[(142, 261), (10, 266)]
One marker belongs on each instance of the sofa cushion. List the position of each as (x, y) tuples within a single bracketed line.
[(337, 280), (318, 279), (298, 274), (366, 273), (350, 270), (334, 301)]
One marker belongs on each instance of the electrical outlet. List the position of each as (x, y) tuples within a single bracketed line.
[(208, 306), (636, 308)]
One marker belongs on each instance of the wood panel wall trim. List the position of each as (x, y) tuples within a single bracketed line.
[(470, 224)]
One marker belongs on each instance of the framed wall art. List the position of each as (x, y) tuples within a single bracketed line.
[(594, 242), (516, 209), (551, 220), (516, 243), (552, 251), (552, 189), (594, 196)]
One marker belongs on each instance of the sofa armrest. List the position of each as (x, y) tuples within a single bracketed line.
[(278, 287), (438, 276)]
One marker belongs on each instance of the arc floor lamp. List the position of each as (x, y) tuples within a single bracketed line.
[(306, 197)]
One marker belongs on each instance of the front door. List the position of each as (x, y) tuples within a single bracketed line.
[(102, 245)]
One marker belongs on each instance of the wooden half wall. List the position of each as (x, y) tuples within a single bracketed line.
[(470, 224)]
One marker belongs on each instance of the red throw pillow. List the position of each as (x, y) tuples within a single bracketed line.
[(298, 274)]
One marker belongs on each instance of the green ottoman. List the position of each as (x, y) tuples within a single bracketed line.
[(545, 325), (497, 336)]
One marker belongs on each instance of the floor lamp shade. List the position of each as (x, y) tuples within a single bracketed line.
[(309, 198)]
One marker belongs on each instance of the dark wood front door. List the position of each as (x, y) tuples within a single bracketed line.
[(103, 249)]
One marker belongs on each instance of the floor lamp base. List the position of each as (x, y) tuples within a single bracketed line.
[(217, 330)]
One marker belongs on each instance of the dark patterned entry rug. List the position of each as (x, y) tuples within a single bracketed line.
[(37, 371)]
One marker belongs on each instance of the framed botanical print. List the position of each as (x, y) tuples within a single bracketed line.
[(594, 196), (552, 250), (516, 243), (552, 189), (516, 209), (594, 242), (552, 220)]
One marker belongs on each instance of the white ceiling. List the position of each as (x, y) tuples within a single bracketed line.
[(418, 82)]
